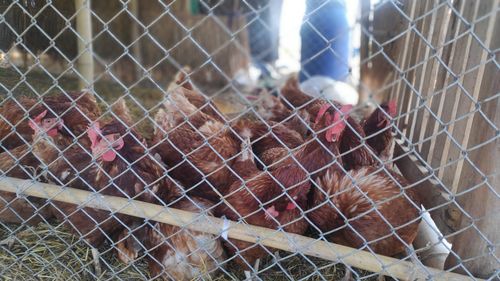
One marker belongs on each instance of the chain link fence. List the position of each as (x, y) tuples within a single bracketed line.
[(174, 163)]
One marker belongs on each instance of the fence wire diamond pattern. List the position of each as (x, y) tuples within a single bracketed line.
[(169, 164)]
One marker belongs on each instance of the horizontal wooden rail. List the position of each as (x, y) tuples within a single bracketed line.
[(254, 234)]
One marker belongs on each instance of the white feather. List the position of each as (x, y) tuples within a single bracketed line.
[(64, 175), (327, 88)]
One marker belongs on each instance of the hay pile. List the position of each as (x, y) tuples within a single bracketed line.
[(50, 252)]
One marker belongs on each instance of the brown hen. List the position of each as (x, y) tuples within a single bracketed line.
[(274, 109), (202, 147), (271, 199), (370, 202), (182, 254), (378, 132), (268, 137), (14, 129), (355, 152), (21, 163), (194, 96), (263, 199), (375, 212), (134, 173), (292, 93)]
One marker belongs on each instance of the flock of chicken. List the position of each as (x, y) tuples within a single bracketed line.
[(305, 166)]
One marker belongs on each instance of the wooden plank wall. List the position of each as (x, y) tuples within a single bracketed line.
[(447, 86), (378, 47), (214, 46)]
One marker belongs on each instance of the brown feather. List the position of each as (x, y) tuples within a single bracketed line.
[(268, 138), (292, 93), (355, 153), (14, 129), (377, 129), (248, 200), (207, 144), (21, 163), (194, 96), (182, 254), (366, 220)]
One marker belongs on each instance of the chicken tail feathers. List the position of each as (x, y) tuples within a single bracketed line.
[(181, 79)]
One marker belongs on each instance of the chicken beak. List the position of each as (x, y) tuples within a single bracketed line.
[(383, 123), (60, 124), (107, 147)]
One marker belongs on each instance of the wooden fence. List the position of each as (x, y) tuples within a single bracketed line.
[(438, 60), (148, 36)]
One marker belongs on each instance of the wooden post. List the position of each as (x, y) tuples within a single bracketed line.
[(364, 51), (382, 26), (431, 192), (85, 65), (136, 47)]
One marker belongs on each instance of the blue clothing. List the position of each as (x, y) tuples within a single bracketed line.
[(325, 37)]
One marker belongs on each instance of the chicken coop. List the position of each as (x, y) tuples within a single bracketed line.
[(249, 140)]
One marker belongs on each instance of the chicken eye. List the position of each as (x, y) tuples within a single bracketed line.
[(113, 140), (113, 137)]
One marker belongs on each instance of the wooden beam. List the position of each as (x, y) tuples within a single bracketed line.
[(199, 222), (136, 47), (435, 197), (85, 64), (364, 50)]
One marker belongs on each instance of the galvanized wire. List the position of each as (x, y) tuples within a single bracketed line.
[(273, 263)]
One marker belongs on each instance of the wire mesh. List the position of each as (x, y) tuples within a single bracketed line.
[(408, 169)]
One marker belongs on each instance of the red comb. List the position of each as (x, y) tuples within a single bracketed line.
[(391, 108), (322, 111), (338, 128), (40, 116), (346, 108), (37, 120)]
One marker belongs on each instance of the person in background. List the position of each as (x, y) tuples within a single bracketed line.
[(263, 33), (325, 37)]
